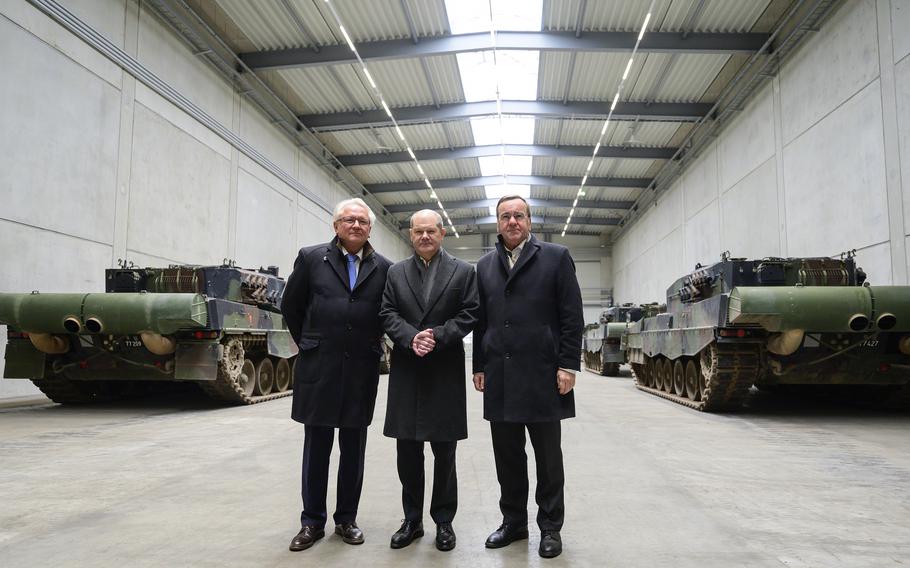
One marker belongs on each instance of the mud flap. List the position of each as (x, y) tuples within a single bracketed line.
[(23, 361), (197, 361)]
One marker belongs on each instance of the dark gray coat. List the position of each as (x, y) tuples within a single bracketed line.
[(427, 394), (531, 322), (338, 332)]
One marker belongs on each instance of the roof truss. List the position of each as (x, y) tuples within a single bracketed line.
[(653, 42), (676, 112), (498, 180), (533, 202)]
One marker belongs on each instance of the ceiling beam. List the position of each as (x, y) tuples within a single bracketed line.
[(605, 42), (648, 111), (570, 181), (533, 202), (535, 221), (543, 150)]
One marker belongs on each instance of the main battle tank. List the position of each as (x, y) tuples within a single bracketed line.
[(217, 326), (770, 323), (601, 340)]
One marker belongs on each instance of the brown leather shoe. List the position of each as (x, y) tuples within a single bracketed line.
[(350, 533), (305, 538)]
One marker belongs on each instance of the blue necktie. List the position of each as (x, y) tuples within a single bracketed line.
[(352, 269)]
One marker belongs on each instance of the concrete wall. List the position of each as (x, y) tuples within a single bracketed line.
[(813, 166), (97, 167)]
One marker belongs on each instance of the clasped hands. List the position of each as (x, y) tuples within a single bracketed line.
[(423, 342)]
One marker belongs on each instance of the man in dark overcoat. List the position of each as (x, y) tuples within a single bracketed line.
[(430, 303), (527, 347), (331, 305)]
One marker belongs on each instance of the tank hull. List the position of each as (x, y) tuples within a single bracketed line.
[(87, 347), (844, 336)]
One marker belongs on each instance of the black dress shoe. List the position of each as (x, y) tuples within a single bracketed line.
[(407, 533), (550, 544), (506, 534), (350, 533), (445, 536), (305, 538)]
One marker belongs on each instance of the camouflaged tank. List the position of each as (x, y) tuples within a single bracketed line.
[(806, 323), (601, 340), (217, 326)]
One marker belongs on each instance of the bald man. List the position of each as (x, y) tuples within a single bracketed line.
[(430, 303)]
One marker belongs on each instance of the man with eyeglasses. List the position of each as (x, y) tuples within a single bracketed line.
[(430, 304), (331, 304), (527, 346)]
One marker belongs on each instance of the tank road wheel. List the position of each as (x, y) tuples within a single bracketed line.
[(693, 378), (658, 373), (661, 373), (282, 375), (679, 378), (667, 366), (247, 378), (650, 373), (265, 377)]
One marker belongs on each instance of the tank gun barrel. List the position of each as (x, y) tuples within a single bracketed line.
[(126, 313), (821, 308)]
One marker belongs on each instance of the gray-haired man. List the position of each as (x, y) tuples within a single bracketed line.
[(331, 304)]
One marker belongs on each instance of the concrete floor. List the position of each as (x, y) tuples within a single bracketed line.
[(649, 483)]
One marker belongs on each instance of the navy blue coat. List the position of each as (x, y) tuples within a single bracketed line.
[(531, 323), (337, 331)]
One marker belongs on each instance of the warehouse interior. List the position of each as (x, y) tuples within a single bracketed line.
[(649, 137)]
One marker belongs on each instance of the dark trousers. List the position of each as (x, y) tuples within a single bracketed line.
[(317, 447), (512, 472), (444, 501)]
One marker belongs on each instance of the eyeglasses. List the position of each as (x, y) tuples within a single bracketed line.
[(506, 217), (350, 221)]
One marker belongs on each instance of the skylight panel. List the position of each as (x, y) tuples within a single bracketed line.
[(471, 16), (513, 130), (518, 15), (478, 75), (468, 16), (505, 165), (517, 74), (497, 191)]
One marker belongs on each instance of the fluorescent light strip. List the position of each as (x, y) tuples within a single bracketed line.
[(388, 111), (369, 78), (603, 130)]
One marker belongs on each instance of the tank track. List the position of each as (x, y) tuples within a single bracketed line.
[(595, 364), (227, 388), (733, 370), (64, 391)]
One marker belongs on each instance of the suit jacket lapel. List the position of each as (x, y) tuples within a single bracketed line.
[(367, 266), (444, 274), (413, 277), (527, 253), (335, 258)]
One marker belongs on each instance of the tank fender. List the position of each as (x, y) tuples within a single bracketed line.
[(281, 343)]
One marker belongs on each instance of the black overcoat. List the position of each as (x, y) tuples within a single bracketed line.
[(427, 394), (531, 323), (338, 332)]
